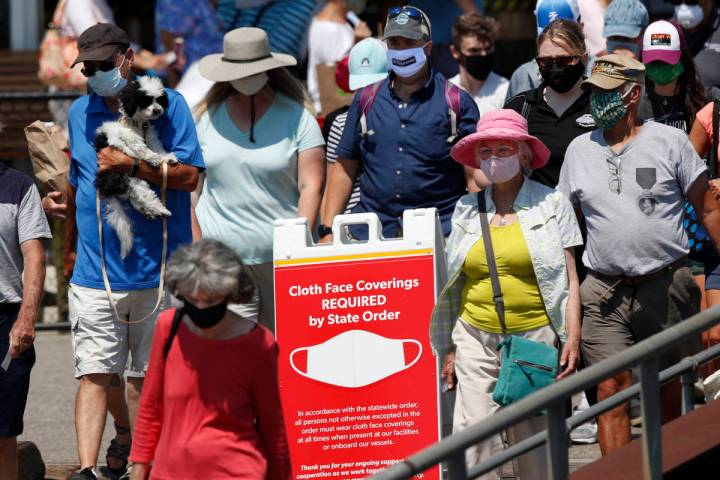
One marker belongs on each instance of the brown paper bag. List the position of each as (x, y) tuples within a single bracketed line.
[(331, 97), (48, 148)]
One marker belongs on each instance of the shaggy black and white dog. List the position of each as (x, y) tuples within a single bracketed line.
[(142, 100)]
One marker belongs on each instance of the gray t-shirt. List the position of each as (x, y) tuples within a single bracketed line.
[(21, 219), (633, 200)]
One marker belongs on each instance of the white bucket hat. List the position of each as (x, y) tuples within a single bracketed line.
[(246, 52)]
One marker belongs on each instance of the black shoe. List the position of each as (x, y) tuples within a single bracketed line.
[(84, 474)]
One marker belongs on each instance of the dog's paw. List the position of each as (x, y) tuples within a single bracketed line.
[(154, 160), (169, 158), (154, 213)]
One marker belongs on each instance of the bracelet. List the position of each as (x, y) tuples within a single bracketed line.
[(135, 167)]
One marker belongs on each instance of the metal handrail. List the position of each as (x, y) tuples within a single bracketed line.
[(41, 95), (552, 398)]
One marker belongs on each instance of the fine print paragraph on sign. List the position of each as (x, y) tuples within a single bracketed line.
[(358, 377), (353, 428)]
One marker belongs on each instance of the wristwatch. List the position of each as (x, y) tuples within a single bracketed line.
[(324, 230)]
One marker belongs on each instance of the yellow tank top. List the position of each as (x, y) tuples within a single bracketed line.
[(524, 307)]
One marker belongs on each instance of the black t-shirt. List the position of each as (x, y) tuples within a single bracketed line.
[(556, 133), (666, 110)]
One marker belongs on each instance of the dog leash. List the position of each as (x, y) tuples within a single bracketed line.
[(106, 281)]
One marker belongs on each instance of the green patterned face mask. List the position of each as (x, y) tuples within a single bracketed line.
[(663, 73), (607, 108)]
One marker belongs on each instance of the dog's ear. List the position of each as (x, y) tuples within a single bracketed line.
[(163, 101), (128, 98)]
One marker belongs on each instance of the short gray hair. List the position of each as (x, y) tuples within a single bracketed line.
[(210, 267)]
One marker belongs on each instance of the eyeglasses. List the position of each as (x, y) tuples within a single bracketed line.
[(686, 2), (614, 180), (90, 68), (561, 61), (503, 151), (412, 12)]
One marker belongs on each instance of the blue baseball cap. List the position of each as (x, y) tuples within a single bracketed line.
[(625, 18), (367, 63), (548, 10)]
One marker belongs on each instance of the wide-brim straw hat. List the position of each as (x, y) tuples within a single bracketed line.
[(246, 52), (500, 125)]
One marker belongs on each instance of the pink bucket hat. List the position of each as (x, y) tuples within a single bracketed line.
[(500, 124)]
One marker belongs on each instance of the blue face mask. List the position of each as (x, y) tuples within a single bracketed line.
[(108, 84), (613, 45)]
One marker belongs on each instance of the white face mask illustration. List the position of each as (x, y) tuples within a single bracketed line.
[(355, 358)]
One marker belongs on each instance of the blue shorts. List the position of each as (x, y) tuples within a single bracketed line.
[(15, 383)]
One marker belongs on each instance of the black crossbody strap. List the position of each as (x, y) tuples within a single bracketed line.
[(174, 326), (713, 155), (492, 267)]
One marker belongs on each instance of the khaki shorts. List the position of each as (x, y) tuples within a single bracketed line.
[(616, 317), (100, 343), (261, 309)]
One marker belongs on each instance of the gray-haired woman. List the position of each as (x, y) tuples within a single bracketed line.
[(210, 406)]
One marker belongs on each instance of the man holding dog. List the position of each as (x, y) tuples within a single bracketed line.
[(107, 347)]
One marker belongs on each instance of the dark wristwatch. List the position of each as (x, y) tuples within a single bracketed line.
[(324, 230), (135, 167)]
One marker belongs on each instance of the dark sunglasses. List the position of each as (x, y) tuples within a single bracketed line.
[(89, 69), (679, 2), (561, 61), (412, 12)]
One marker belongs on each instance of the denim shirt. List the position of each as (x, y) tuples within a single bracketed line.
[(547, 221)]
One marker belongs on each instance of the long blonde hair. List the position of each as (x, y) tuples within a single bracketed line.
[(279, 79)]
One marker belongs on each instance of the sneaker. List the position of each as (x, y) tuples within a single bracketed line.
[(585, 433), (84, 474), (127, 474)]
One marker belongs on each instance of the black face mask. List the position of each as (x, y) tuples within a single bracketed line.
[(205, 317), (562, 79), (478, 66)]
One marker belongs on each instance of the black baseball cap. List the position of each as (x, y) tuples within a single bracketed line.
[(100, 41)]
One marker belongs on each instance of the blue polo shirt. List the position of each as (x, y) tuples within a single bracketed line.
[(406, 161), (141, 268)]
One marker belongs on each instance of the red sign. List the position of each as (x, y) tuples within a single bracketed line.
[(358, 378)]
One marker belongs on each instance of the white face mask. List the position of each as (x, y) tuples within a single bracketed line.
[(355, 358), (251, 85), (500, 170), (689, 16), (406, 63)]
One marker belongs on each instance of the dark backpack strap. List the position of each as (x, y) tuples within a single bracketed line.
[(492, 267), (713, 154), (177, 318), (452, 99)]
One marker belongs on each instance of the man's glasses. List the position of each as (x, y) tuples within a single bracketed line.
[(503, 151), (562, 61), (686, 2), (614, 180), (412, 12), (90, 68)]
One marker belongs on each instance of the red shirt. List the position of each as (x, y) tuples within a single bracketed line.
[(212, 408)]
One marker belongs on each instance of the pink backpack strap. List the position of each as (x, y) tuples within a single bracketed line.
[(452, 99), (367, 98)]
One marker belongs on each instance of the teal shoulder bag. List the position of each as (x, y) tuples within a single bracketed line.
[(525, 365)]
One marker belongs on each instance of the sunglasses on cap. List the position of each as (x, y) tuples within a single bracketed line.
[(412, 12), (561, 61), (90, 68), (680, 2)]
